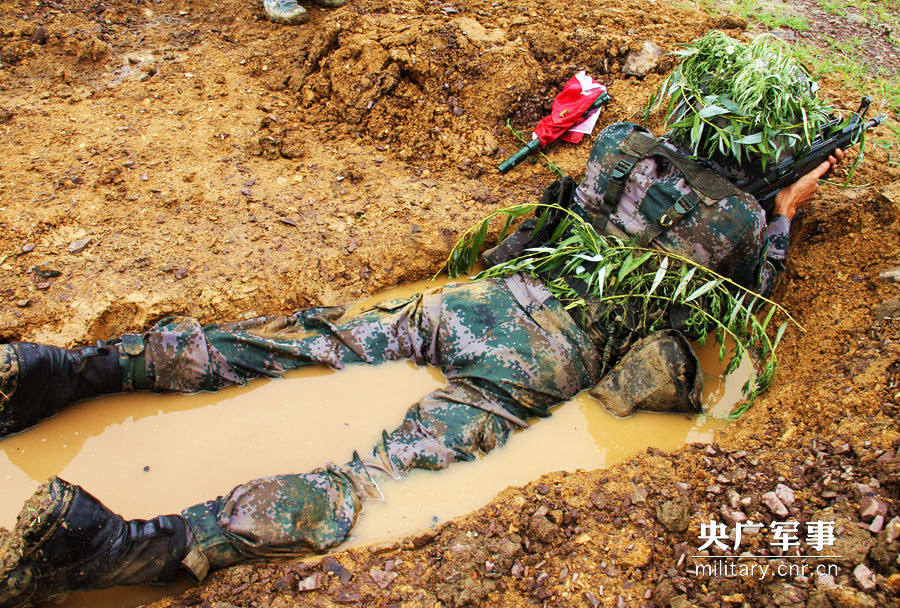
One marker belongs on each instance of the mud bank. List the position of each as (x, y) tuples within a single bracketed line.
[(193, 159)]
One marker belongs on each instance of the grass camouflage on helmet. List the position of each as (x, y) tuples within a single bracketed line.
[(746, 103)]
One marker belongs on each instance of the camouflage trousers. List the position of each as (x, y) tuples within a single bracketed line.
[(507, 347)]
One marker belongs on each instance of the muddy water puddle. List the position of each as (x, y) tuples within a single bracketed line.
[(145, 454)]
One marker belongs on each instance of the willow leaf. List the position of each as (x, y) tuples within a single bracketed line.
[(703, 289), (660, 273), (779, 334), (684, 282)]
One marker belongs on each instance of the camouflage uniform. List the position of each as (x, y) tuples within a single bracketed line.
[(737, 243), (507, 347)]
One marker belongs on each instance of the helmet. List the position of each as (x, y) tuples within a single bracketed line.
[(745, 105)]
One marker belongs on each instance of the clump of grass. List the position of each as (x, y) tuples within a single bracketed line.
[(622, 281), (748, 102)]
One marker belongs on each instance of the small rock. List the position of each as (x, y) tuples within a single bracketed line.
[(333, 566), (180, 273), (714, 489), (45, 272), (591, 599), (144, 177), (382, 578), (23, 303), (286, 584), (312, 582), (288, 221), (888, 310), (517, 569), (870, 507), (865, 577), (43, 285), (39, 35), (891, 274), (675, 514), (638, 495), (245, 191), (643, 62), (877, 524), (864, 489), (79, 245), (733, 517), (825, 580), (893, 529), (683, 488), (784, 494), (352, 245), (28, 248), (774, 503)]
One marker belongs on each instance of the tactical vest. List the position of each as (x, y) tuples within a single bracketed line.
[(663, 206)]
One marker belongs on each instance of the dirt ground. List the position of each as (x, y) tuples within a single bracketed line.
[(193, 158)]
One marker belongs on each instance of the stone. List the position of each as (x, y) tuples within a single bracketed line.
[(79, 245), (675, 514), (638, 556), (888, 310), (784, 494), (870, 507), (774, 503), (865, 577), (477, 33), (382, 578), (877, 524), (28, 248), (644, 61), (312, 582), (893, 529)]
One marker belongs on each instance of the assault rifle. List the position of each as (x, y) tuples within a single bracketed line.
[(838, 134)]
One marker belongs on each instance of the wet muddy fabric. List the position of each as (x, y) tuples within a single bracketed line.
[(732, 238), (507, 347)]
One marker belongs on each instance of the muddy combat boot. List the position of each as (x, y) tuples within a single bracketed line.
[(285, 11), (36, 380), (660, 373), (66, 540)]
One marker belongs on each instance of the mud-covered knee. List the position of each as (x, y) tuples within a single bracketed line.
[(289, 514), (274, 516)]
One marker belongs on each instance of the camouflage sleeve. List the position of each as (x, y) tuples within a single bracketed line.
[(758, 260)]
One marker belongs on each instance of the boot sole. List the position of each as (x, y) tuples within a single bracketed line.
[(39, 518)]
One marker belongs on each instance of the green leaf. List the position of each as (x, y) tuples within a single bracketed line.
[(506, 226), (779, 334), (630, 264), (753, 138), (660, 273), (684, 282), (711, 111), (703, 289), (769, 316)]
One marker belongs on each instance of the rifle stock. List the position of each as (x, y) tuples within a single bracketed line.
[(839, 134)]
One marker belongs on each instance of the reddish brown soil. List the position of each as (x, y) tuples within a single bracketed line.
[(223, 166)]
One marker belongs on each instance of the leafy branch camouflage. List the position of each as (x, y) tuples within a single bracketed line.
[(630, 292)]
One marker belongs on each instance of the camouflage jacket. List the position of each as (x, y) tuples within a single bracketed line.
[(733, 239)]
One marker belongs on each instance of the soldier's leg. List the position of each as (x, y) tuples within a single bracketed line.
[(37, 380), (178, 354), (66, 540), (295, 514)]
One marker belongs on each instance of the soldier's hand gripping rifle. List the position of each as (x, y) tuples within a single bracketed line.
[(839, 134)]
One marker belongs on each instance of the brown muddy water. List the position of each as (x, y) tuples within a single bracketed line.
[(145, 454)]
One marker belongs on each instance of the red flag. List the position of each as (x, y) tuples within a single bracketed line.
[(568, 110)]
